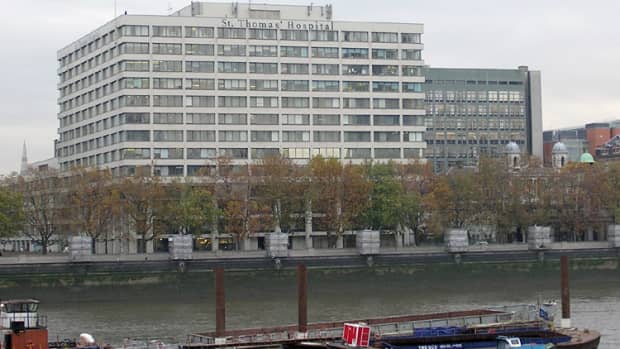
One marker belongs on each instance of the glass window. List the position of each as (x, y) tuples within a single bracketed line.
[(167, 83), (325, 52), (263, 34), (200, 84), (264, 119), (261, 153), (387, 153), (411, 55), (355, 69), (167, 31), (263, 102), (325, 69), (295, 85), (356, 103), (134, 83), (412, 153), (355, 86), (410, 38), (232, 119), (231, 33), (168, 171), (325, 102), (167, 66), (200, 118), (232, 84), (263, 68), (134, 66), (413, 136), (231, 50), (200, 101), (385, 86), (165, 49), (168, 153), (352, 36), (387, 136), (231, 67), (355, 53), (293, 51), (409, 103), (234, 153), (294, 35), (199, 67), (325, 85), (134, 48), (232, 136), (135, 153), (199, 49), (135, 136), (413, 120), (326, 152), (167, 136), (265, 136), (295, 136), (201, 153), (296, 153), (263, 51), (167, 118), (295, 119), (356, 120), (293, 68), (411, 70), (386, 120), (357, 153), (232, 101), (381, 53), (385, 103), (199, 32), (264, 85), (134, 101), (385, 70), (134, 118), (295, 102), (134, 30), (323, 35), (326, 119), (385, 37), (167, 101), (200, 136), (412, 87), (326, 136), (357, 136)]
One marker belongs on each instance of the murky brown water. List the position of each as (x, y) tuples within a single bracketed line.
[(171, 311)]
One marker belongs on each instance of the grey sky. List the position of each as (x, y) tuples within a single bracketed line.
[(575, 44)]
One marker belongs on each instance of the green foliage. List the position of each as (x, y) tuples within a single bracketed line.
[(11, 212), (191, 211)]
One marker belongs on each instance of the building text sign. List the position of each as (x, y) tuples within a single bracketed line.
[(293, 25)]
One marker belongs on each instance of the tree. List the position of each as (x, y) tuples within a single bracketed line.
[(386, 198), (190, 209), (11, 212)]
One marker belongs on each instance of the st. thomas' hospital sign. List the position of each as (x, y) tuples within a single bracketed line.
[(293, 25)]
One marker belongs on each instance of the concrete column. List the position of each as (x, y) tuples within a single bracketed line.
[(215, 242), (308, 221), (399, 239), (339, 242)]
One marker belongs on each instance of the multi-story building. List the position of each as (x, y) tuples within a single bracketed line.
[(476, 112), (242, 81), (593, 138), (574, 139)]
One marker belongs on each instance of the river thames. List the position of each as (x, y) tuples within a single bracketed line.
[(171, 311)]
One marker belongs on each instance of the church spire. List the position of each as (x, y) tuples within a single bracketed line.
[(24, 166)]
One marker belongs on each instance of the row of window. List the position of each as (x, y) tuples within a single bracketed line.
[(475, 109), (476, 124), (475, 96)]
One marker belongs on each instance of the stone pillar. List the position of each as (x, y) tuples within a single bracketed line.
[(181, 247), (340, 242), (456, 240), (276, 245), (538, 237), (613, 235), (368, 242), (398, 236)]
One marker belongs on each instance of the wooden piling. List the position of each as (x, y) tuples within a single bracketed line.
[(564, 284), (302, 298), (220, 303)]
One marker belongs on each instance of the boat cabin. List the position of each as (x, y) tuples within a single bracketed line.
[(514, 342), (21, 326)]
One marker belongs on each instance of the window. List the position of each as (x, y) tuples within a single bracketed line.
[(412, 87), (200, 101), (231, 50), (134, 48), (356, 53), (386, 120), (326, 136), (167, 31), (295, 136), (413, 120), (231, 33), (325, 52), (167, 83), (165, 49), (325, 69), (134, 83), (296, 153), (261, 153), (231, 67), (201, 153), (168, 153), (199, 32), (265, 136), (134, 66), (264, 85), (167, 101), (356, 120), (293, 51), (323, 35), (200, 84), (199, 49), (356, 136), (233, 136), (326, 119), (385, 103), (325, 102), (413, 103), (412, 153), (234, 153), (263, 51), (381, 53), (264, 102), (263, 68), (413, 136), (357, 153), (350, 36), (411, 70), (232, 119), (263, 34), (411, 55), (325, 85), (356, 103), (232, 101), (167, 136), (135, 153), (355, 86), (264, 119), (167, 66), (167, 118), (410, 38), (354, 69), (385, 70), (385, 37), (295, 119), (134, 101), (168, 171), (295, 85), (200, 118), (295, 102), (134, 30), (294, 35), (385, 86), (135, 136), (135, 118), (232, 84), (387, 153), (200, 136), (199, 67), (293, 68)]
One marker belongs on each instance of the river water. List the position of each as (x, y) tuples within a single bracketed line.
[(171, 311)]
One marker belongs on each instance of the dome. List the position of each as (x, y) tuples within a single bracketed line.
[(586, 158), (559, 147), (512, 148)]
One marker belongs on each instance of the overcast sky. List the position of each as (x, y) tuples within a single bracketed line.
[(575, 43)]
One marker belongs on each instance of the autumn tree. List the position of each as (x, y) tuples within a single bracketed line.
[(11, 212), (189, 208)]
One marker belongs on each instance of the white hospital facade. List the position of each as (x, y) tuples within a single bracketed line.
[(242, 81)]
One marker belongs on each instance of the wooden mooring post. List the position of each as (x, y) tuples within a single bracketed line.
[(220, 303), (302, 299), (564, 284)]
